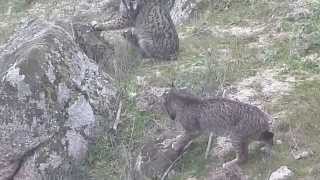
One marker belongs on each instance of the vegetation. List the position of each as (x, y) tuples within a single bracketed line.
[(209, 63), (222, 47)]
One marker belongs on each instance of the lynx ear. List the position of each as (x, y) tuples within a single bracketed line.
[(124, 3), (135, 4), (172, 85)]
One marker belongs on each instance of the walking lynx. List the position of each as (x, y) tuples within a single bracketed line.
[(221, 116)]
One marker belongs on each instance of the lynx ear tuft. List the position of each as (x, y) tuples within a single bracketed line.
[(172, 84)]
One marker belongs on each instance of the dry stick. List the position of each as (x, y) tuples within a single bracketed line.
[(175, 161), (117, 121), (208, 145)]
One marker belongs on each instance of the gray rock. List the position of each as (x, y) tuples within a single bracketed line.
[(301, 154), (283, 173), (51, 95), (298, 11)]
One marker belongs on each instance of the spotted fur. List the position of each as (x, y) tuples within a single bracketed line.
[(221, 116), (153, 32)]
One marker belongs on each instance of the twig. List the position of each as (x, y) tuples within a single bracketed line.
[(117, 121), (224, 93), (175, 161), (209, 145)]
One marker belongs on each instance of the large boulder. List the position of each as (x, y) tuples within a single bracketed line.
[(52, 99)]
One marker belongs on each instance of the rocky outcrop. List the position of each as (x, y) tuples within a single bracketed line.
[(52, 97), (283, 173)]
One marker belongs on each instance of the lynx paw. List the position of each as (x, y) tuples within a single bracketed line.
[(127, 34), (176, 145), (95, 26), (230, 163)]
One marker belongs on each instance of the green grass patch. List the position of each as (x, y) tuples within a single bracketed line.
[(113, 153), (11, 11), (302, 107), (193, 163), (239, 12), (200, 66)]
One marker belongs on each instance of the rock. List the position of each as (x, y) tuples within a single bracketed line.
[(313, 59), (283, 173), (298, 11), (301, 154), (298, 14), (307, 43), (278, 142), (191, 178), (52, 96)]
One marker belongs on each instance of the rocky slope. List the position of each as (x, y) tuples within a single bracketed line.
[(53, 99), (260, 52)]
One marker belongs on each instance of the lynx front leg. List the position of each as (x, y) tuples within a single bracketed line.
[(120, 22), (130, 37), (184, 139), (191, 128)]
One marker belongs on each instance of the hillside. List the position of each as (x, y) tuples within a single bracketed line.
[(264, 53)]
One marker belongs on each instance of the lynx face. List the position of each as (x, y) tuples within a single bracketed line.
[(131, 5)]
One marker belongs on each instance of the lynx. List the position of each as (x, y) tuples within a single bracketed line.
[(152, 31), (221, 116)]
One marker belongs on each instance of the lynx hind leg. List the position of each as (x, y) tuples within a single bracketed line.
[(241, 149)]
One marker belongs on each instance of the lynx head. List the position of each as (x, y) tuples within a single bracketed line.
[(131, 5), (175, 99), (267, 138), (130, 8)]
